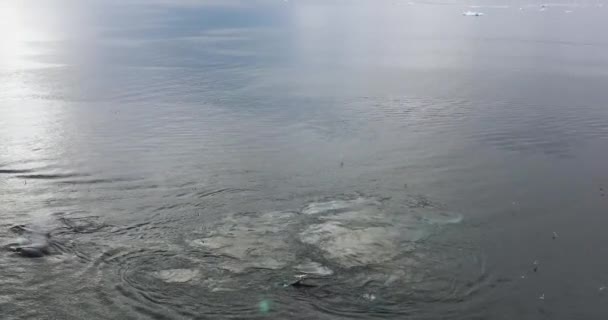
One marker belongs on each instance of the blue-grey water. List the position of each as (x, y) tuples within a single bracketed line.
[(193, 159)]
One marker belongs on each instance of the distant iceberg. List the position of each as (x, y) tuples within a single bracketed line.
[(472, 14)]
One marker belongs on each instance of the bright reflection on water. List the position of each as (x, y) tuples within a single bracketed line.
[(302, 159)]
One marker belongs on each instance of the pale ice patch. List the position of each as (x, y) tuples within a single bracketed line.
[(176, 275)]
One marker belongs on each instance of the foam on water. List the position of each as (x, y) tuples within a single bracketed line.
[(176, 275), (440, 217), (348, 232), (352, 247), (360, 231), (251, 240), (333, 205), (313, 268)]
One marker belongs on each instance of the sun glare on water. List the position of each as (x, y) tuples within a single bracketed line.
[(13, 35), (27, 121)]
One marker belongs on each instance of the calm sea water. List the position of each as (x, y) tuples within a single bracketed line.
[(191, 160)]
